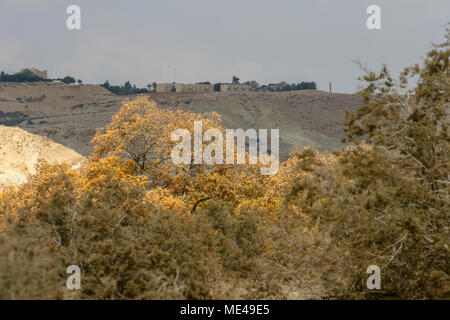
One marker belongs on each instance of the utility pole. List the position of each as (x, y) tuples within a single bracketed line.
[(330, 87)]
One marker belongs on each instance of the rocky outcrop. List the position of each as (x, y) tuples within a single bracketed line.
[(21, 151)]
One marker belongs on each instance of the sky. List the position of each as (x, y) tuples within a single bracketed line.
[(146, 41)]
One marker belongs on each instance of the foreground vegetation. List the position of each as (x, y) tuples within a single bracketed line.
[(141, 227)]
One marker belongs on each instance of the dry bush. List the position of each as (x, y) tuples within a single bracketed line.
[(125, 246), (385, 201)]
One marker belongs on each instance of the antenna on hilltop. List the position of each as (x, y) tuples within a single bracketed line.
[(175, 75)]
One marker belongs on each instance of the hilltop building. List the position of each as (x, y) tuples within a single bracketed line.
[(184, 87), (201, 87), (233, 87)]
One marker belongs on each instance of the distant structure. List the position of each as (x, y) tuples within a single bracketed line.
[(233, 87), (184, 87), (39, 73)]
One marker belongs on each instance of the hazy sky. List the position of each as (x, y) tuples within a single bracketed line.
[(263, 40)]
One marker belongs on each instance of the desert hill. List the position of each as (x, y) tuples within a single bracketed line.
[(20, 151), (70, 114), (67, 114), (305, 117)]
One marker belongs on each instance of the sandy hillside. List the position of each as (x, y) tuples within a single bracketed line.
[(67, 114), (20, 151), (304, 118), (70, 114)]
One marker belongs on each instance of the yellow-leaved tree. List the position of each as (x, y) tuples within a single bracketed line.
[(142, 133)]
